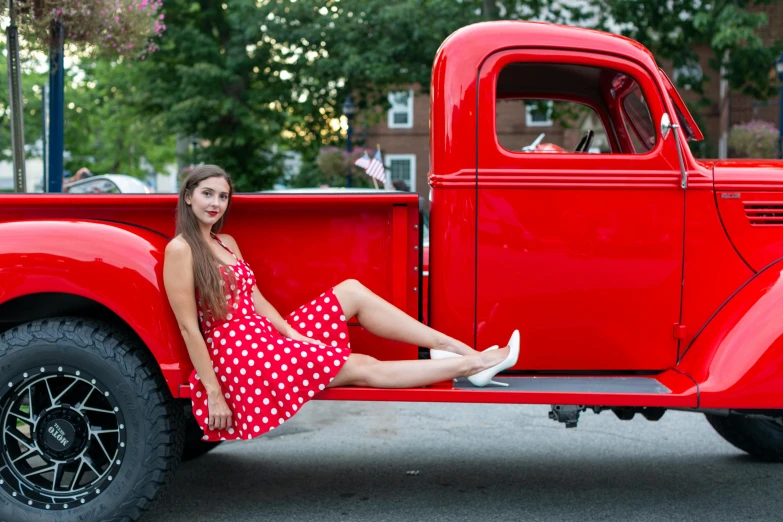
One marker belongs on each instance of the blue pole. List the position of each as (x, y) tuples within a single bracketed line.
[(780, 124), (56, 110)]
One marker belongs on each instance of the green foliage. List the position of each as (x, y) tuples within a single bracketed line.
[(672, 29), (210, 79), (328, 49), (102, 129), (704, 148), (32, 83), (754, 139)]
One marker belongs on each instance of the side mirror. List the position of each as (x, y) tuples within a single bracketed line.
[(666, 125)]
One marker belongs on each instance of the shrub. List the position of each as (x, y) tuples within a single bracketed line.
[(754, 139), (331, 167)]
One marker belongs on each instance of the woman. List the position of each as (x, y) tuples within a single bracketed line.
[(253, 369)]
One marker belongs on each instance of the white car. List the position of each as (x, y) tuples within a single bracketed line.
[(108, 184)]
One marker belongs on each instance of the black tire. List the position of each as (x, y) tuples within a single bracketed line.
[(140, 454), (761, 438), (194, 446)]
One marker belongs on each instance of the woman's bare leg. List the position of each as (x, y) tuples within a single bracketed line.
[(363, 370), (385, 320)]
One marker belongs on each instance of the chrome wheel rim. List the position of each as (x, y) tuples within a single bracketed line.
[(63, 437)]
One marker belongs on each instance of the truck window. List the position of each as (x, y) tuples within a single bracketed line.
[(521, 121), (570, 108), (636, 114)]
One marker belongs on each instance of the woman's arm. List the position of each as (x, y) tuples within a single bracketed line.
[(179, 282), (264, 307)]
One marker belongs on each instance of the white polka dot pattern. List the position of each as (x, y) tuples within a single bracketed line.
[(291, 373)]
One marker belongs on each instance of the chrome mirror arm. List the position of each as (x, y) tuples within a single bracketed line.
[(666, 126)]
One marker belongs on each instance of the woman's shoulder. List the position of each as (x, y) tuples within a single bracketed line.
[(178, 248), (228, 241)]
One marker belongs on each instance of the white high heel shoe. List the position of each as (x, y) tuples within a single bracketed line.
[(483, 378), (443, 354)]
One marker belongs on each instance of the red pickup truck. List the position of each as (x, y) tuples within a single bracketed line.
[(641, 278)]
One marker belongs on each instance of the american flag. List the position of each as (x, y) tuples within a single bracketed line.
[(376, 168), (363, 162)]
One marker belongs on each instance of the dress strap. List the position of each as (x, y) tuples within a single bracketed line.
[(224, 246)]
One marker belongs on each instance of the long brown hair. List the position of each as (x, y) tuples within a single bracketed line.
[(206, 269)]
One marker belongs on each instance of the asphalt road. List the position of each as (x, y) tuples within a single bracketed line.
[(372, 462)]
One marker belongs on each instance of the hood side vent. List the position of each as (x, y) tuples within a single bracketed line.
[(764, 212)]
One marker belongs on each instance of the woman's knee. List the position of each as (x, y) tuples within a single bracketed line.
[(352, 286), (356, 371), (350, 294)]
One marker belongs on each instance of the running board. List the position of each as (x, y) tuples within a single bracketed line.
[(667, 389), (571, 385)]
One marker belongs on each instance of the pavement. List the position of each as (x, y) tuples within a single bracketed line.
[(373, 462)]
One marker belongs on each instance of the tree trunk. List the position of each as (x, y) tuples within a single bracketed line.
[(490, 9)]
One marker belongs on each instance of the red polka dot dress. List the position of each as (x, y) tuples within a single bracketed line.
[(265, 377)]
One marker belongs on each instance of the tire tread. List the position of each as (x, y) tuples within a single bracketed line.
[(164, 415)]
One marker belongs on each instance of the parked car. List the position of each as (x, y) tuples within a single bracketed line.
[(108, 184), (641, 279)]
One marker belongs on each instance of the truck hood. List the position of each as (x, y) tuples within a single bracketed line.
[(739, 175)]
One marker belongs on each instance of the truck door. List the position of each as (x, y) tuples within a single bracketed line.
[(580, 236)]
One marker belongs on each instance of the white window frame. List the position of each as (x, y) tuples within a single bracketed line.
[(529, 117), (411, 158), (398, 108)]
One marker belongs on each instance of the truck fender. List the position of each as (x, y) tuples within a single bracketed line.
[(117, 265), (737, 358)]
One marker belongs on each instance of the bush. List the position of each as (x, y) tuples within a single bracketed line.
[(330, 169), (754, 139)]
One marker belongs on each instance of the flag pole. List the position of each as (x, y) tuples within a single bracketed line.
[(374, 181)]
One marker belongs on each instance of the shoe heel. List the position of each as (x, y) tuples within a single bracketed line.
[(484, 377)]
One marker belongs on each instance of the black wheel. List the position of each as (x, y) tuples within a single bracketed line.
[(89, 429), (194, 446), (761, 438)]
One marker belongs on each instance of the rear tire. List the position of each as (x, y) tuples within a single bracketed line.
[(761, 438), (78, 394)]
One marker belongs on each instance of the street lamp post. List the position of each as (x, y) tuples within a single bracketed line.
[(349, 109), (779, 70)]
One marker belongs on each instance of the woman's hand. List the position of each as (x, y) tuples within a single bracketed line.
[(219, 412), (296, 336)]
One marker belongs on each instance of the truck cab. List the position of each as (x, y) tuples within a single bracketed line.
[(611, 258)]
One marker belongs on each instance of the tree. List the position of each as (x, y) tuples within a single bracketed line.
[(32, 83), (103, 131), (671, 29), (210, 80)]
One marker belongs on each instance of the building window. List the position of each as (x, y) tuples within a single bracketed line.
[(402, 167), (401, 113), (538, 113)]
